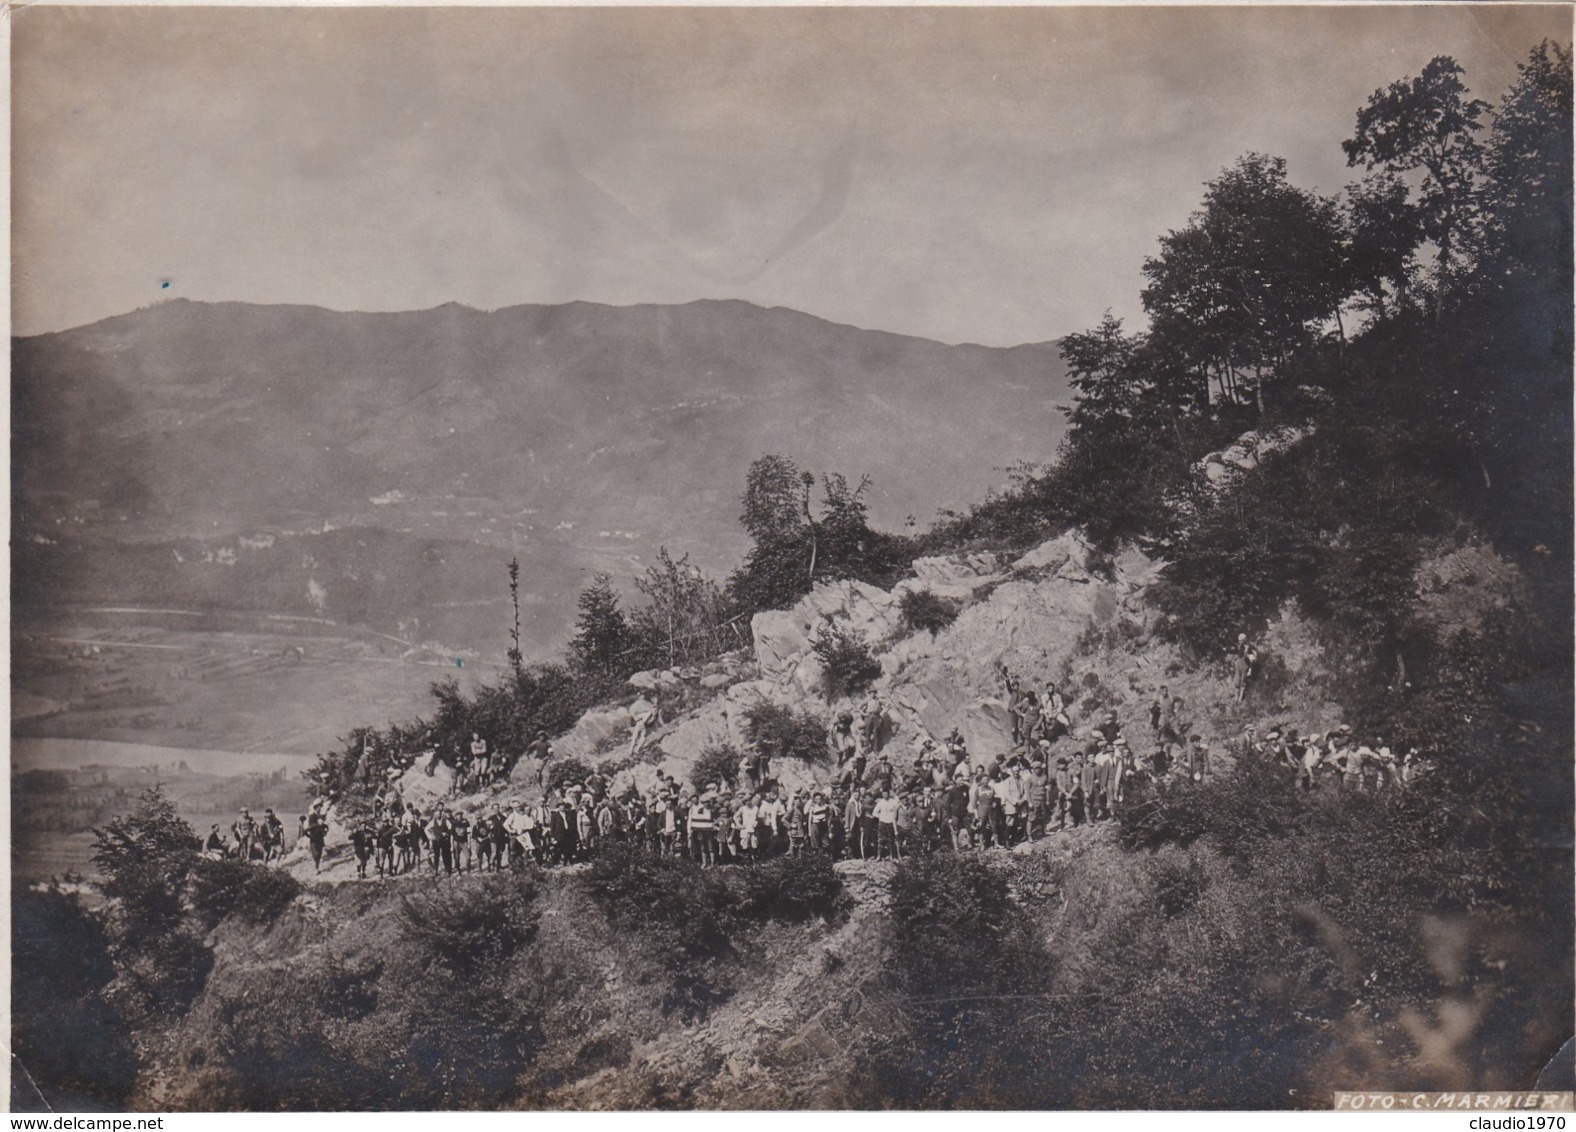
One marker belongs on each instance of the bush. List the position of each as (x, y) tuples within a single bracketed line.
[(670, 897), (1239, 812), (780, 732), (475, 928), (923, 610), (678, 914), (254, 893), (561, 772), (1179, 887), (956, 929), (717, 764), (848, 666), (794, 889), (965, 961)]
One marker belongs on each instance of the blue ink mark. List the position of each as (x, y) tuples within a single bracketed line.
[(459, 662)]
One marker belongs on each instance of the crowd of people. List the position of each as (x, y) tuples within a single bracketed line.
[(258, 839), (1336, 756), (877, 806)]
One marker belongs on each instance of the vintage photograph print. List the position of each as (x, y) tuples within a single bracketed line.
[(790, 558)]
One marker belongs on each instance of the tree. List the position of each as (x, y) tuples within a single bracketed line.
[(1427, 123), (773, 500), (1384, 230), (602, 640), (796, 547), (1099, 368), (160, 959), (516, 657), (1527, 163), (146, 857), (685, 618), (1248, 281)]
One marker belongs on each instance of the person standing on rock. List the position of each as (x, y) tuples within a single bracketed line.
[(1053, 713), (872, 719), (870, 824), (750, 769), (646, 716), (959, 826), (540, 751), (481, 760)]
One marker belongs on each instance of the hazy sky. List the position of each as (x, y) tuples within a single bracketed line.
[(985, 175)]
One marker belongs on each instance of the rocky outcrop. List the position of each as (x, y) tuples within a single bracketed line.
[(1248, 451)]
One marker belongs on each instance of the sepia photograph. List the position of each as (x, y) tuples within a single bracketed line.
[(791, 558)]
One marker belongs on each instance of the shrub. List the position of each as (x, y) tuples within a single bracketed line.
[(717, 764), (1256, 803), (780, 732), (678, 913), (848, 666), (1179, 886), (475, 928), (254, 893), (146, 857), (790, 888), (670, 897), (956, 929), (561, 772), (923, 610)]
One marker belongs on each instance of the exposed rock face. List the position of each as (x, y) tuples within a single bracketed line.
[(593, 728), (1248, 451), (1030, 614)]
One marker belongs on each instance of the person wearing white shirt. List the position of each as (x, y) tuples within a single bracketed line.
[(772, 818), (885, 813), (745, 819)]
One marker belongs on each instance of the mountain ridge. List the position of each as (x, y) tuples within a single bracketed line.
[(579, 436)]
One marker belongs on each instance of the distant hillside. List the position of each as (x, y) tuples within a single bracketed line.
[(582, 436)]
